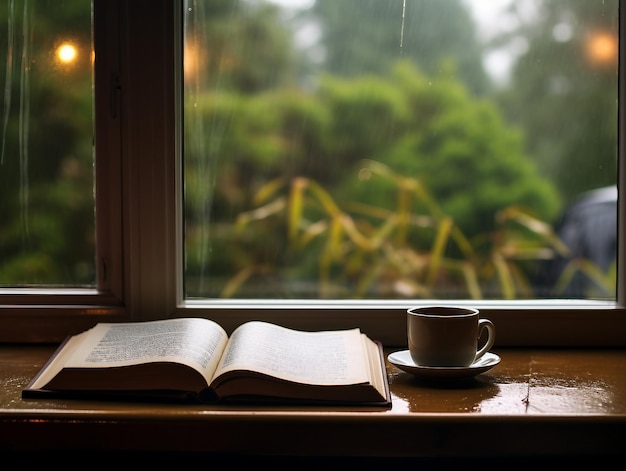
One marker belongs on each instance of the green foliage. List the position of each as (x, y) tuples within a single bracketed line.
[(571, 125), (366, 252), (368, 113), (250, 49), (376, 166), (459, 148), (388, 31), (46, 166), (414, 176)]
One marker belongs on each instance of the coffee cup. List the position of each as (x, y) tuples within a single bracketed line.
[(447, 336)]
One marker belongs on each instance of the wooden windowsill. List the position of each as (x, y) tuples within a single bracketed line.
[(536, 402)]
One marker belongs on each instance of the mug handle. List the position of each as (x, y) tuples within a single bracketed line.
[(491, 336)]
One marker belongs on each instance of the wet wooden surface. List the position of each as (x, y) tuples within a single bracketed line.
[(535, 402)]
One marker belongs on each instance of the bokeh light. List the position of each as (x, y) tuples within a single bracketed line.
[(602, 48), (66, 53)]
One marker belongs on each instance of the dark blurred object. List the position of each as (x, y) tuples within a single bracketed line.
[(588, 226)]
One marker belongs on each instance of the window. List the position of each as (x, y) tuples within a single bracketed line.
[(47, 183), (327, 158), (140, 204), (70, 244)]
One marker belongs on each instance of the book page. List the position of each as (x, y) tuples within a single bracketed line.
[(193, 341), (321, 358), (377, 371), (57, 362)]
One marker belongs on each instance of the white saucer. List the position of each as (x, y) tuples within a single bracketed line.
[(403, 360)]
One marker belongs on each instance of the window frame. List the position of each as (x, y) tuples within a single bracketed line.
[(139, 218)]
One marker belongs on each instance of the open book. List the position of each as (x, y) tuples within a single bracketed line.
[(194, 358)]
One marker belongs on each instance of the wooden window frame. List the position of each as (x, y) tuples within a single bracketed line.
[(139, 218)]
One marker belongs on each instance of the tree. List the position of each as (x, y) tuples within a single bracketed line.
[(569, 75), (390, 30), (46, 166), (239, 45), (425, 126), (427, 130), (432, 129)]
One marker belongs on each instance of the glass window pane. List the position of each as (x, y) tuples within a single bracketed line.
[(46, 162), (393, 149)]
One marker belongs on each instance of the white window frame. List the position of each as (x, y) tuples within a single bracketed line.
[(139, 218)]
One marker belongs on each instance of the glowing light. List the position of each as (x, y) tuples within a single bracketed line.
[(602, 48), (66, 53), (193, 61)]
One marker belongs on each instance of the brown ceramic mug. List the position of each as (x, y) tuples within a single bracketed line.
[(447, 336)]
